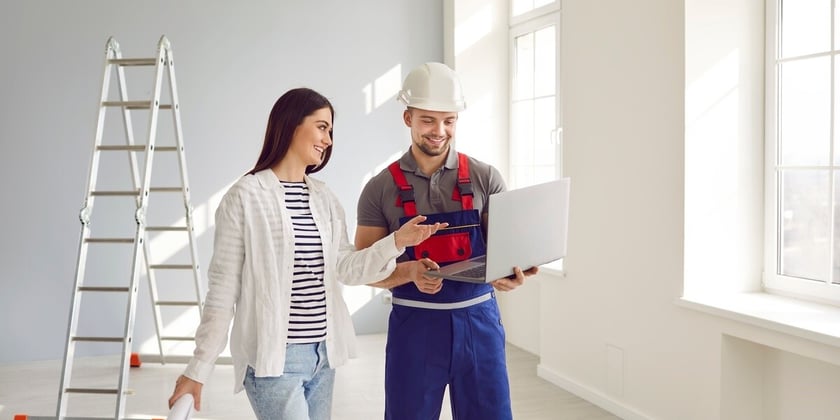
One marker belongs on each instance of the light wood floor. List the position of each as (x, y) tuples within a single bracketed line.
[(32, 388)]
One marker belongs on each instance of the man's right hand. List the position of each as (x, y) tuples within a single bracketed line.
[(424, 283)]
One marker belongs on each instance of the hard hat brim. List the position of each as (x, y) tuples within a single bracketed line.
[(435, 106)]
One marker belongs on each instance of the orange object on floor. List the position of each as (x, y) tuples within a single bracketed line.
[(21, 417), (135, 360)]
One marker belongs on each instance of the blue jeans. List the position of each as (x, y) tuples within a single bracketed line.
[(303, 392)]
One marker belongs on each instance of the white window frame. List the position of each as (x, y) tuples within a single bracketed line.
[(773, 282), (529, 22), (520, 25)]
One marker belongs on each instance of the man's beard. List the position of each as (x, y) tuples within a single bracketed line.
[(433, 152)]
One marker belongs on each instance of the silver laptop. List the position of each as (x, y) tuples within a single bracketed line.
[(526, 227)]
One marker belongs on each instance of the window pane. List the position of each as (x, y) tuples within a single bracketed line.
[(836, 110), (806, 27), (836, 32), (545, 58), (523, 74), (522, 143), (544, 124), (519, 7), (835, 278), (521, 175), (544, 173), (805, 224), (805, 102)]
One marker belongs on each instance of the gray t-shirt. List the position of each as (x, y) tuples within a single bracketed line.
[(378, 201)]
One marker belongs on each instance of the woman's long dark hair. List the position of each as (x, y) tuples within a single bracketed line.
[(289, 112)]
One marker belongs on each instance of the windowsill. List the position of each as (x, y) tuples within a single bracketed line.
[(794, 317), (554, 268)]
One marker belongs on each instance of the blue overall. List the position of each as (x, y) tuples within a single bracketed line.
[(430, 348)]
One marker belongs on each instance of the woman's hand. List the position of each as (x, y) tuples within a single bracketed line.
[(412, 232), (186, 385)]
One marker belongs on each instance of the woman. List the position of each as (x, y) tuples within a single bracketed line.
[(280, 249)]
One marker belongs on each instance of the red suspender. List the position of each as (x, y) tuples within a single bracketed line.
[(405, 197), (463, 190)]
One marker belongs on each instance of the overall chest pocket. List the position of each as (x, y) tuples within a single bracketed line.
[(445, 248), (461, 240)]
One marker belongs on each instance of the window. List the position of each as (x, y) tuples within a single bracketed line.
[(535, 111), (535, 153), (803, 153)]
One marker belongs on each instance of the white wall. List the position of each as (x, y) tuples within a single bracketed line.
[(663, 107), (233, 61), (611, 327)]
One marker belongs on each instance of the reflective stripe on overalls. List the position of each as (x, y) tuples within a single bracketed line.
[(454, 337)]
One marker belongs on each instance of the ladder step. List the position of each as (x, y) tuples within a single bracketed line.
[(134, 193), (28, 417), (130, 193), (103, 289), (99, 339), (91, 390), (176, 303), (133, 61), (176, 338), (110, 240), (171, 266), (166, 228), (166, 189), (135, 104), (134, 148)]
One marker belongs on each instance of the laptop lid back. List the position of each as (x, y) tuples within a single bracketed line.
[(527, 227)]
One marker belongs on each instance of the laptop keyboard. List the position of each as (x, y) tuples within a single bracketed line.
[(475, 271)]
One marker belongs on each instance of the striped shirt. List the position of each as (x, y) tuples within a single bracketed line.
[(308, 315)]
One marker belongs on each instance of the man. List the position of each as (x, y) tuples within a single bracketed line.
[(441, 332)]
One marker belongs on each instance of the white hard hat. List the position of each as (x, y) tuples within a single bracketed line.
[(433, 87)]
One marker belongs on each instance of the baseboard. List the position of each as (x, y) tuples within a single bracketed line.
[(155, 358), (593, 396)]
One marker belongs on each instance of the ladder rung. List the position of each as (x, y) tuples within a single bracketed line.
[(134, 61), (110, 240), (135, 104), (171, 266), (175, 338), (177, 303), (27, 417), (166, 189), (166, 228), (130, 193), (133, 148), (91, 390), (100, 339), (127, 148), (102, 289)]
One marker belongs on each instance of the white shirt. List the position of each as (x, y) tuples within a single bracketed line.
[(251, 271)]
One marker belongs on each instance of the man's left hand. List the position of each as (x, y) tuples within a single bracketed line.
[(507, 284)]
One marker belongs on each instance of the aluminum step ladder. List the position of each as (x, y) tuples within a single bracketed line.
[(141, 191)]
